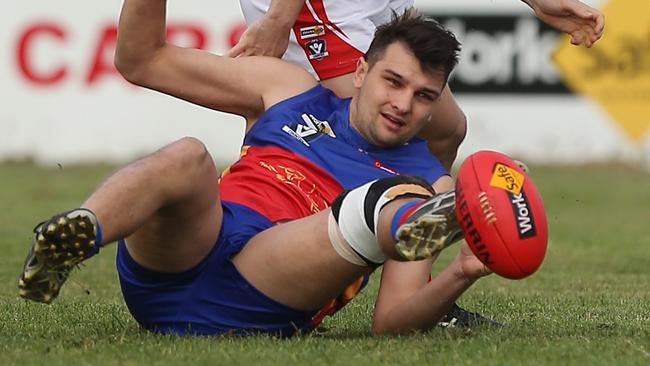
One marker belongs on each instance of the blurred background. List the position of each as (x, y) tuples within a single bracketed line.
[(525, 90)]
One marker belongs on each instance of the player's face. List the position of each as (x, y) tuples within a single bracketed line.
[(395, 97)]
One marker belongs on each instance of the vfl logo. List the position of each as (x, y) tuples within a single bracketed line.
[(521, 208), (311, 32), (505, 177), (317, 49), (312, 129)]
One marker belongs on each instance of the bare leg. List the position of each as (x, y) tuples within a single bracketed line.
[(166, 204), (295, 263)]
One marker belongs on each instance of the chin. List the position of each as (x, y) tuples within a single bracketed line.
[(390, 142)]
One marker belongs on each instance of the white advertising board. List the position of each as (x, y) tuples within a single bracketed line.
[(63, 102)]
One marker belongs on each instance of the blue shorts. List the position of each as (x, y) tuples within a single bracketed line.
[(211, 298)]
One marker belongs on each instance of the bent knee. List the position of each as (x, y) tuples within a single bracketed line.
[(188, 159), (189, 147), (187, 152)]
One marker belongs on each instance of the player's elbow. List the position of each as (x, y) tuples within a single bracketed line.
[(134, 66), (383, 324), (383, 328), (386, 322), (129, 67), (379, 329)]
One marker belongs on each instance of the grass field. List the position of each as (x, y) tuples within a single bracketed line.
[(588, 305)]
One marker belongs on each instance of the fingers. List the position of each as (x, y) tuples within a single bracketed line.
[(577, 37), (236, 51), (586, 37), (596, 27), (600, 25), (595, 31), (596, 24), (593, 22), (589, 32), (246, 48)]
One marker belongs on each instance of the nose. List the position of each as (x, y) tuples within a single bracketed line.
[(401, 101)]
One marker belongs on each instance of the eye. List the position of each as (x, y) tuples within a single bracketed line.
[(393, 82), (425, 96)]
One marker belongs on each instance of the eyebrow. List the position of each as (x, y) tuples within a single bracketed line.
[(425, 89)]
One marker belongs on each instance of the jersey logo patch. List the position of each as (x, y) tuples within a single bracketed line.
[(311, 32), (311, 129), (317, 49)]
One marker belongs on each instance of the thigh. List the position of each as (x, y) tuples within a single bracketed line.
[(180, 235), (211, 297), (295, 264)]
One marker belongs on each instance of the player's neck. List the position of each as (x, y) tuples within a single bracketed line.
[(354, 114)]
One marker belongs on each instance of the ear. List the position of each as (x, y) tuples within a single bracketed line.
[(361, 72)]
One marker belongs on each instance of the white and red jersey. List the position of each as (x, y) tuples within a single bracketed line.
[(329, 36)]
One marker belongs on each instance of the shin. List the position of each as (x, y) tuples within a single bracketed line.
[(357, 214)]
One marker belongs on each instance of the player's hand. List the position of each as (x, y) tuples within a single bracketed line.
[(583, 23), (471, 267), (262, 38)]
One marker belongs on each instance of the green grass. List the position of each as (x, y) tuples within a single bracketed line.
[(588, 305)]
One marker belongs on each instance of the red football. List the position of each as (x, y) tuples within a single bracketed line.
[(501, 214)]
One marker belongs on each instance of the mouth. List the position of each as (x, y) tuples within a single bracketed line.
[(393, 122)]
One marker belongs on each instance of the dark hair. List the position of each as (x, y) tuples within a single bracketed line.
[(434, 46)]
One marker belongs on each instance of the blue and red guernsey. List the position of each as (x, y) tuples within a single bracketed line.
[(302, 152)]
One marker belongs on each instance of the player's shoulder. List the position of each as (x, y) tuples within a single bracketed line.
[(283, 80), (317, 102)]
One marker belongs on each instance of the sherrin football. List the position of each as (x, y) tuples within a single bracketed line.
[(501, 214)]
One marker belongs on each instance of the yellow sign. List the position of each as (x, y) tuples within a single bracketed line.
[(616, 71), (507, 178)]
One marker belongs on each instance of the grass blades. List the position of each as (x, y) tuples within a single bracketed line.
[(588, 304)]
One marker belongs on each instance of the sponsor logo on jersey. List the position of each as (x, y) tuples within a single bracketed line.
[(505, 177), (311, 32), (521, 208), (317, 49), (311, 129)]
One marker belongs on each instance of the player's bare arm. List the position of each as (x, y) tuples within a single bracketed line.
[(446, 128), (406, 304), (407, 301), (583, 23), (269, 35), (245, 86)]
